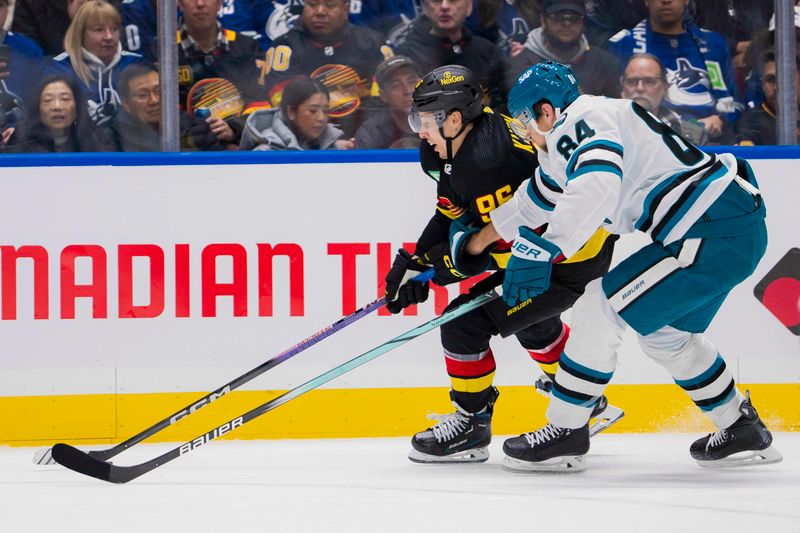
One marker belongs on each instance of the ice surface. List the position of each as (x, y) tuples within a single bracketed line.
[(634, 483)]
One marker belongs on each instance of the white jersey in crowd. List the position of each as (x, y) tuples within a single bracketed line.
[(609, 163)]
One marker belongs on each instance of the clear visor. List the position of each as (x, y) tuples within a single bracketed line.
[(524, 116), (426, 120)]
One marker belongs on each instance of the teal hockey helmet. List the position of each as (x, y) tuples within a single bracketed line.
[(550, 81)]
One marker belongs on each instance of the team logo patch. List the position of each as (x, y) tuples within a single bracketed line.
[(346, 88), (218, 95)]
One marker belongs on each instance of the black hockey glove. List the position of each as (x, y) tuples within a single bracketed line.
[(439, 258), (401, 290)]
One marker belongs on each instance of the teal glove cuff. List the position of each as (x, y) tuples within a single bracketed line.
[(463, 262)]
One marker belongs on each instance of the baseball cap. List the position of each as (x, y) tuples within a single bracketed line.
[(388, 66), (554, 6)]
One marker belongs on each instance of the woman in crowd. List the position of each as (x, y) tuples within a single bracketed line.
[(95, 57), (57, 121), (300, 123)]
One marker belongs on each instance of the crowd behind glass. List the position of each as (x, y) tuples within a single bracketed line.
[(82, 75)]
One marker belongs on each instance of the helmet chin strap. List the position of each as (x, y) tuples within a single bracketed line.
[(449, 140)]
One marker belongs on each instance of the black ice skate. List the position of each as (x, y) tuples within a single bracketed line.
[(459, 437), (604, 415), (747, 442), (549, 449)]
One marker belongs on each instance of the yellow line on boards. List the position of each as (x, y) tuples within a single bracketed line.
[(350, 413)]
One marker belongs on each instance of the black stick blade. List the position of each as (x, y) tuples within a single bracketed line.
[(81, 462)]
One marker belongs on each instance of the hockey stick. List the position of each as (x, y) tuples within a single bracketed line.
[(84, 463), (44, 456)]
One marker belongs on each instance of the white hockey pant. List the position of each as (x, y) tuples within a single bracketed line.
[(590, 358)]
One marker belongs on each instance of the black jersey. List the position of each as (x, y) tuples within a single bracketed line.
[(345, 66), (487, 169)]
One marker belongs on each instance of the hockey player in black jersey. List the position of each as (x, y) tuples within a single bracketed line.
[(478, 159)]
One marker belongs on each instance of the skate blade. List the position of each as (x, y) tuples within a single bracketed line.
[(605, 419), (44, 456), (767, 456), (558, 465), (475, 455)]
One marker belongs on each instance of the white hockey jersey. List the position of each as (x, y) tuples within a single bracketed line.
[(609, 163)]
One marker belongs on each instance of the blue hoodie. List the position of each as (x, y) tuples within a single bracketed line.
[(101, 91), (25, 64)]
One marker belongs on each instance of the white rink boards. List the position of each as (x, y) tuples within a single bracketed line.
[(160, 275)]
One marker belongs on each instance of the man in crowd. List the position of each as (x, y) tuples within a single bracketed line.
[(217, 70), (699, 67), (136, 127), (326, 47), (560, 38), (645, 82), (440, 37), (20, 59), (759, 126), (389, 128)]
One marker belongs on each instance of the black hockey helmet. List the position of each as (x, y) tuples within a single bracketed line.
[(446, 89)]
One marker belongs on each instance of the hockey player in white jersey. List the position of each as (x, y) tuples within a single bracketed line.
[(622, 168)]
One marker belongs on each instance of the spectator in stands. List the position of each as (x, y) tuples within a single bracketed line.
[(505, 22), (439, 37), (47, 21), (94, 56), (699, 67), (762, 42), (736, 20), (136, 127), (57, 121), (561, 39), (300, 123), (381, 15), (326, 47), (645, 82), (217, 70), (759, 126), (20, 62), (605, 18), (389, 128), (141, 25)]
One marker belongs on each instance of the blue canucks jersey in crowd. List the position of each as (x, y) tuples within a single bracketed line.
[(699, 68), (383, 15), (24, 63), (139, 22)]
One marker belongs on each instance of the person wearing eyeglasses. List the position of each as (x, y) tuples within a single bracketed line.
[(759, 126), (136, 127), (700, 75), (645, 82), (561, 39)]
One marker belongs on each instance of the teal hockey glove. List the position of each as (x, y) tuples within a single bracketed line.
[(530, 266), (463, 262)]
